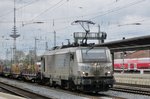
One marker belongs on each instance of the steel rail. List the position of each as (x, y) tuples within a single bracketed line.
[(132, 89), (22, 92)]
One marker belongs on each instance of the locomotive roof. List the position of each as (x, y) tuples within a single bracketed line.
[(60, 50)]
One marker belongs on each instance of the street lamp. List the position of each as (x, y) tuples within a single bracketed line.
[(129, 24), (35, 45), (38, 22)]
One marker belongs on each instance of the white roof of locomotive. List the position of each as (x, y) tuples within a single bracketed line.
[(65, 50), (61, 51)]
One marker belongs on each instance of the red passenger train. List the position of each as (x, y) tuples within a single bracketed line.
[(134, 64)]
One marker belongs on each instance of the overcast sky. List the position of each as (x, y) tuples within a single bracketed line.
[(114, 17)]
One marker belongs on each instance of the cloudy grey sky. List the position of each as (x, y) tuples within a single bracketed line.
[(114, 17)]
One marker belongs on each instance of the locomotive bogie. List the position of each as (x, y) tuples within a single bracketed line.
[(90, 84)]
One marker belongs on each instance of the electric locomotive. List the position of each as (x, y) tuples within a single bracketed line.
[(78, 68)]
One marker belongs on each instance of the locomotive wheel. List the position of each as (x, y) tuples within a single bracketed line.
[(54, 84), (64, 84), (72, 86), (33, 80)]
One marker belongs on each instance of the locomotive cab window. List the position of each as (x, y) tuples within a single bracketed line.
[(97, 55)]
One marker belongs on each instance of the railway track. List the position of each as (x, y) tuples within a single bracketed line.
[(88, 95), (21, 92), (129, 88), (77, 95), (58, 91), (118, 87)]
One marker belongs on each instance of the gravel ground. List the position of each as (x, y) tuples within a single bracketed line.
[(57, 94), (126, 95), (45, 91)]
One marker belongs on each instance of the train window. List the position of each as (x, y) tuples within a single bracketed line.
[(94, 55)]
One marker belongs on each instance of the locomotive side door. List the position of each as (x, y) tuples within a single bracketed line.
[(71, 64)]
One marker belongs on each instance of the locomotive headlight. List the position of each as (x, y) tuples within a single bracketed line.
[(83, 73), (108, 72), (95, 64)]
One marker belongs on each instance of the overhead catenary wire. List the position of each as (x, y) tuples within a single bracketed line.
[(107, 12), (118, 8), (51, 7), (11, 11), (59, 29), (74, 17), (110, 11)]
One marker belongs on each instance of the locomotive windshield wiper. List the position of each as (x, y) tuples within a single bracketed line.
[(89, 49)]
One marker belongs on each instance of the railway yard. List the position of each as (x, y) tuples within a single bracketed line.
[(104, 57), (121, 90)]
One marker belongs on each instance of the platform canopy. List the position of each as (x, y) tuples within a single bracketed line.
[(136, 43)]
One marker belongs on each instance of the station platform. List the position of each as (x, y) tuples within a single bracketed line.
[(9, 96), (136, 79)]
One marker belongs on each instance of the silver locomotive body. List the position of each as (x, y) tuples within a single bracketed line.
[(78, 68)]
